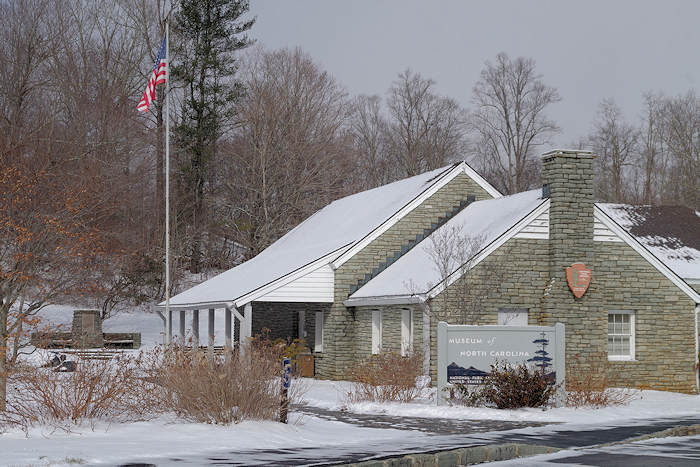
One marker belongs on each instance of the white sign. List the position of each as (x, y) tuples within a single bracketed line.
[(466, 353)]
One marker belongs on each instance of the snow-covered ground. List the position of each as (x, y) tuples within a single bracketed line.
[(168, 438), (644, 405), (110, 444)]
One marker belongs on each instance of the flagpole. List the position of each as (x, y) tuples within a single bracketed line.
[(168, 313)]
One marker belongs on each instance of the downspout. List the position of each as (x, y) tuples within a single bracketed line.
[(697, 350)]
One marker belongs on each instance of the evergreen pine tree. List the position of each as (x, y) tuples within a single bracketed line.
[(207, 35)]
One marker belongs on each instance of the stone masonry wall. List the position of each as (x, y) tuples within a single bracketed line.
[(513, 276), (622, 281), (87, 329), (342, 346), (391, 329)]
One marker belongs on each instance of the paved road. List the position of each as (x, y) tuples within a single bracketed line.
[(427, 434), (437, 426)]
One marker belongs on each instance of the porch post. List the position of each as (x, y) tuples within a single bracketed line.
[(195, 329), (302, 325), (182, 327), (227, 329), (211, 332), (247, 327)]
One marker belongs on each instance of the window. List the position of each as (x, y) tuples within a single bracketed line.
[(318, 337), (406, 331), (376, 331), (512, 317), (620, 335)]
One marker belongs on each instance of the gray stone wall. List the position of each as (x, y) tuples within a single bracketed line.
[(343, 345), (391, 329), (622, 280), (513, 276), (87, 329)]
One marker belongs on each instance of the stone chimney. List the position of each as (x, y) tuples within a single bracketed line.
[(568, 176)]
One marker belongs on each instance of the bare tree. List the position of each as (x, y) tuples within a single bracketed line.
[(682, 120), (369, 132), (509, 121), (290, 154), (652, 148), (453, 254), (615, 143), (426, 131)]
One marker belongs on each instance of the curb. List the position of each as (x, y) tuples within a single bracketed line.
[(683, 430), (461, 456)]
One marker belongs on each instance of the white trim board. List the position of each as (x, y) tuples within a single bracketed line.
[(315, 286), (461, 168), (284, 280)]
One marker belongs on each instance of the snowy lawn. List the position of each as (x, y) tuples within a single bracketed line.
[(169, 437), (645, 405)]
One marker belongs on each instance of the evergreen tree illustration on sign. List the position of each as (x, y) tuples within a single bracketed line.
[(541, 358)]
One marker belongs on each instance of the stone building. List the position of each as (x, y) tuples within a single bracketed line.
[(377, 270)]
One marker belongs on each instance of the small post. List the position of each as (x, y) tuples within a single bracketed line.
[(286, 377)]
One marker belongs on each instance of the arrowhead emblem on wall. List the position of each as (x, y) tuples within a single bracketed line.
[(579, 277)]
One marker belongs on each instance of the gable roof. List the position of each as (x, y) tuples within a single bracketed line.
[(415, 276), (318, 240), (671, 233)]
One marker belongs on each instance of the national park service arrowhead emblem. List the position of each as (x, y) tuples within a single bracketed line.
[(579, 277)]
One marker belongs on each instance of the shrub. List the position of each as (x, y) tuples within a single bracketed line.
[(587, 383), (224, 389), (386, 376), (108, 390), (509, 387), (290, 349)]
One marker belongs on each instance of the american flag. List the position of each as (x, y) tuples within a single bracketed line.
[(158, 76)]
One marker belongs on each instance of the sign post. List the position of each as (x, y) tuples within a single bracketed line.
[(286, 377)]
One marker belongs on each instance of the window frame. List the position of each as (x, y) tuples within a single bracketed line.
[(406, 331), (632, 336), (376, 324), (318, 332), (513, 311)]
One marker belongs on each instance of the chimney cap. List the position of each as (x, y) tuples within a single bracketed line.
[(568, 152)]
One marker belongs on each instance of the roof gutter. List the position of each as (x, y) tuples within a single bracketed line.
[(196, 306), (385, 300)]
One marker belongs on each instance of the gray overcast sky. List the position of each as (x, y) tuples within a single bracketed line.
[(588, 49)]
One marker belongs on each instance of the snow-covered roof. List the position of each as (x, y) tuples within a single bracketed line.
[(671, 233), (327, 233), (416, 272)]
